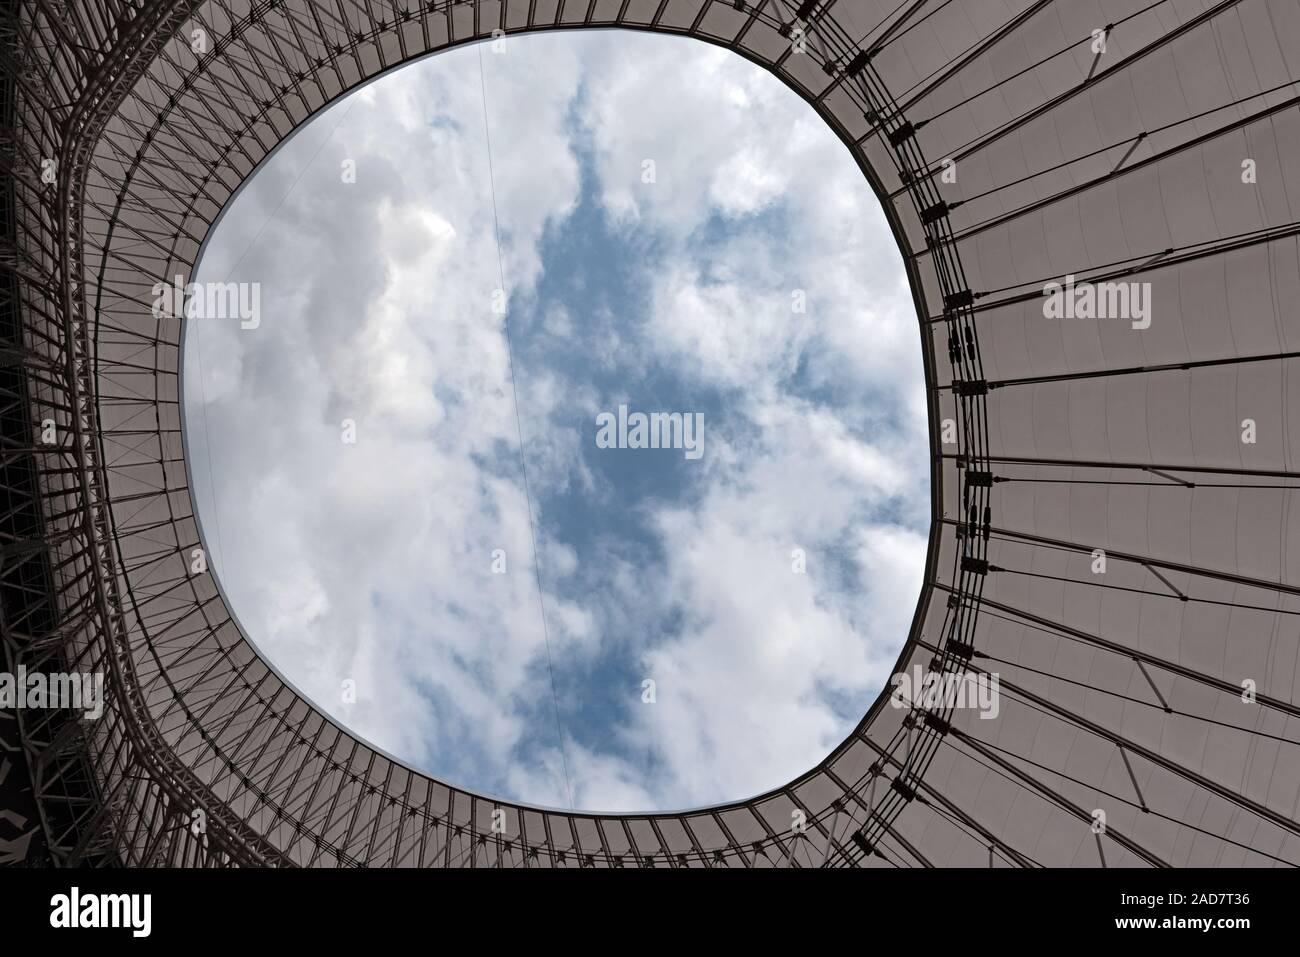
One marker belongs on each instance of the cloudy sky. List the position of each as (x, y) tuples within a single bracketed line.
[(677, 233)]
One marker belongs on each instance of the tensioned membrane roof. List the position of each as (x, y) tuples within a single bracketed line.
[(1112, 536)]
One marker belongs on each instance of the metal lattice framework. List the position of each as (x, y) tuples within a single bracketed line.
[(1108, 141)]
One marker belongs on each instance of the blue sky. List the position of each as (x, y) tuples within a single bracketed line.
[(372, 563)]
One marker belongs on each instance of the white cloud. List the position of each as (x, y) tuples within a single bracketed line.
[(373, 561)]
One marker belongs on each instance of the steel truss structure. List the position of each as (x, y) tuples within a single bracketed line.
[(1148, 712)]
